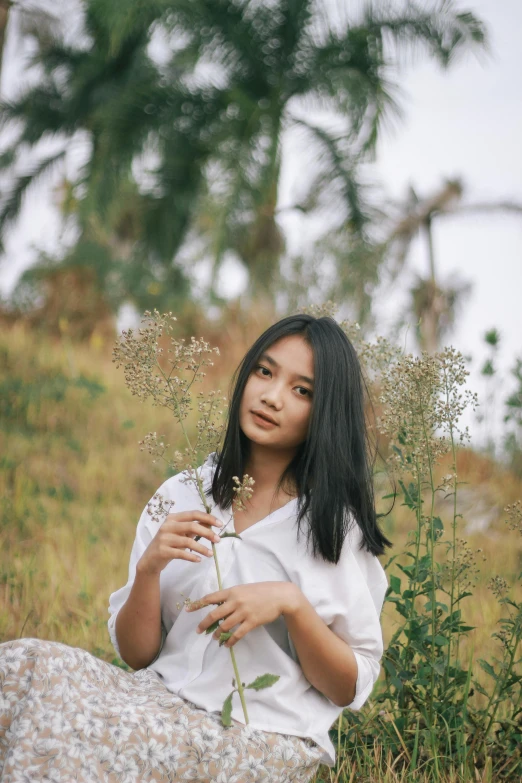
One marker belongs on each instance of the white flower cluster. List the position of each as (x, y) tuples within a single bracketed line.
[(243, 491), (423, 404)]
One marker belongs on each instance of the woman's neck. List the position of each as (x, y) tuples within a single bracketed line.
[(266, 466)]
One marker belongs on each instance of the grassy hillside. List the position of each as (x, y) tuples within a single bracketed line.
[(73, 483)]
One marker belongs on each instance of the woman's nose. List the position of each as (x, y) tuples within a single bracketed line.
[(273, 396)]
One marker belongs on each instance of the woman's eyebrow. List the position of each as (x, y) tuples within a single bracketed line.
[(269, 360)]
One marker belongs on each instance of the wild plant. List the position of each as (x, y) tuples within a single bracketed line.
[(425, 712), (167, 378)]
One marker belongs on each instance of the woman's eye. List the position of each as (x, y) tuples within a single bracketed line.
[(304, 392), (264, 371)]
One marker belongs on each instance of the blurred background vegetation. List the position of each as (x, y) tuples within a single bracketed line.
[(183, 112)]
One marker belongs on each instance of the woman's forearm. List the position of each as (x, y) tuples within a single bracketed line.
[(327, 661), (138, 624)]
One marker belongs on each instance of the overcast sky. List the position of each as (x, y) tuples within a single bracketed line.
[(465, 123)]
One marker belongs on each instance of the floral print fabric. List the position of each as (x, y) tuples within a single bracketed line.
[(68, 716)]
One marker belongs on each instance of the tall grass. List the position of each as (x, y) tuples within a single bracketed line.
[(73, 483)]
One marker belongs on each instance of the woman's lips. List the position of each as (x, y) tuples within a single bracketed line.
[(262, 422)]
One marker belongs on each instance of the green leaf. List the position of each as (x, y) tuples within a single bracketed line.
[(224, 637), (438, 604), (488, 368), (390, 667), (263, 681), (462, 595), (438, 528), (440, 641), (226, 712), (395, 584), (410, 495), (212, 627), (478, 687), (488, 668), (492, 337)]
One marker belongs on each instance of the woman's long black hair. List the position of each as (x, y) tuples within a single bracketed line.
[(331, 470)]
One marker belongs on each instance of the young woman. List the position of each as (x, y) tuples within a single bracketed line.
[(303, 591)]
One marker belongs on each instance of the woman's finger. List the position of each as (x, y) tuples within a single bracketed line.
[(228, 623), (194, 516), (238, 634), (214, 616)]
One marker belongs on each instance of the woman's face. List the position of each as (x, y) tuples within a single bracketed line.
[(277, 399)]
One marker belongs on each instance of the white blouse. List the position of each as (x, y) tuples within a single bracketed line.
[(347, 596)]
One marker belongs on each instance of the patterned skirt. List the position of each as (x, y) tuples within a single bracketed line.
[(68, 716)]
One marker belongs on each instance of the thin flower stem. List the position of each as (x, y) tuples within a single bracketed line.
[(140, 356), (180, 419), (418, 512), (454, 546), (202, 495), (431, 551), (239, 684), (500, 681)]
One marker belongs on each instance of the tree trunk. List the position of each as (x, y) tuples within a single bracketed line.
[(429, 326), (5, 5)]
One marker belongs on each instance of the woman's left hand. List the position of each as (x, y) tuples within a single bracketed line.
[(246, 606)]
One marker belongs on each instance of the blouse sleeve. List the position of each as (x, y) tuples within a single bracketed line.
[(173, 490), (352, 595), (145, 532)]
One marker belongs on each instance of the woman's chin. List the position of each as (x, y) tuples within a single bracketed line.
[(259, 436), (267, 441)]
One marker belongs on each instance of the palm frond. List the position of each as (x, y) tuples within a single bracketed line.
[(12, 201), (445, 32), (342, 174), (297, 16)]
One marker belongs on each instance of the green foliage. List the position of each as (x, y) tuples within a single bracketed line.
[(21, 401), (226, 712), (224, 637), (175, 152), (261, 682), (433, 711), (492, 337), (510, 440)]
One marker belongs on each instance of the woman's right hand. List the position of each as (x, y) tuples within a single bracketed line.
[(174, 539)]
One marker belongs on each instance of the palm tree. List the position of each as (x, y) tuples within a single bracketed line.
[(433, 305), (31, 21), (195, 102)]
